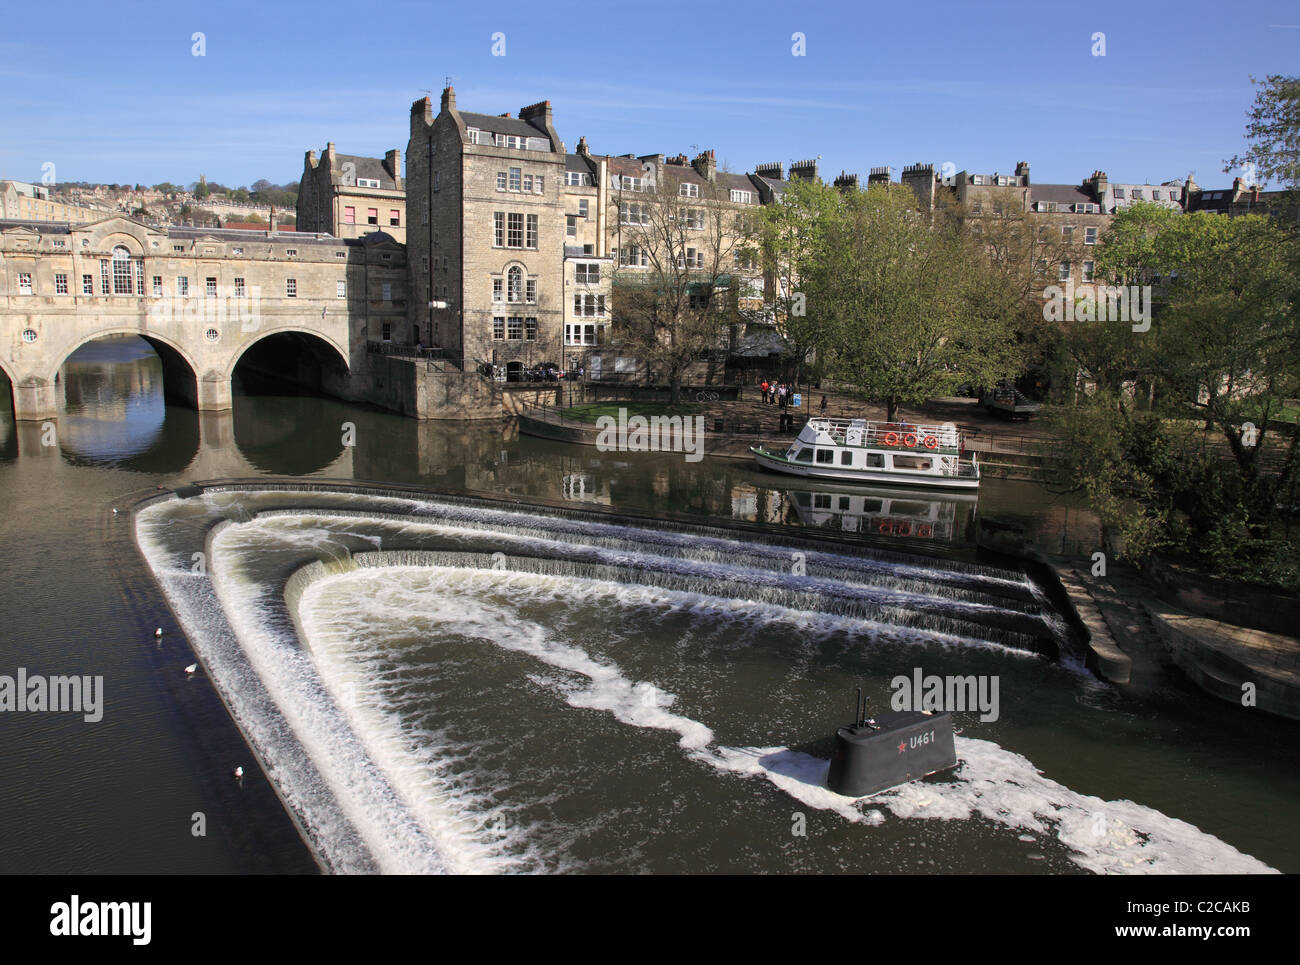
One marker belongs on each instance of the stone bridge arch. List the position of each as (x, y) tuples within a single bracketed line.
[(306, 357), (180, 371), (7, 400)]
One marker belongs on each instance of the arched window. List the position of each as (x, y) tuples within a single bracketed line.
[(515, 285), (121, 271)]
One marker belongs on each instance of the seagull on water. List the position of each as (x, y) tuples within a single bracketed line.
[(191, 669), (158, 632), (239, 773)]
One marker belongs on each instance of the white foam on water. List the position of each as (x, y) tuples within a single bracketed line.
[(294, 526), (287, 763), (992, 783), (401, 838), (640, 704), (383, 782), (1106, 837)]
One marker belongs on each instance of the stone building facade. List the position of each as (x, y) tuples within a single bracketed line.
[(202, 297), (20, 201), (488, 247), (514, 241), (1243, 198), (349, 196)]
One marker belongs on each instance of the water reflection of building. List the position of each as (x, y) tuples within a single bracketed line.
[(884, 513), (583, 487), (757, 505)]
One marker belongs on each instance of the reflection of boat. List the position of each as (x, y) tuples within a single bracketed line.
[(882, 512), (856, 450)]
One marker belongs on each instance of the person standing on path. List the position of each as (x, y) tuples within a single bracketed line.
[(823, 405)]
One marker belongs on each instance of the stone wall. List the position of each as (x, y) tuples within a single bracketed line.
[(1228, 601)]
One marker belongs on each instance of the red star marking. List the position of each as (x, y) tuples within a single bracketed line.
[(902, 747)]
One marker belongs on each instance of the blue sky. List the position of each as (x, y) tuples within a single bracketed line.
[(112, 92)]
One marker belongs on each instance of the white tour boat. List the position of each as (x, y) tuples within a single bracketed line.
[(857, 450)]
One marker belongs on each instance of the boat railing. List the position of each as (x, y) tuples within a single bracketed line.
[(889, 435)]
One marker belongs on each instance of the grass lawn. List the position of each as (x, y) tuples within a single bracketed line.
[(592, 411)]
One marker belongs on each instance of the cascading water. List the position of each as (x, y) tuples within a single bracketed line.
[(440, 684)]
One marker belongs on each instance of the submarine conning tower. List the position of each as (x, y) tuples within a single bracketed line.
[(873, 754)]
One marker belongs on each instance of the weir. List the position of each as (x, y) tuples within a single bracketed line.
[(365, 641)]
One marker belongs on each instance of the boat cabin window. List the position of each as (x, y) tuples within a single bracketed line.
[(821, 500), (825, 455), (846, 458), (805, 455), (912, 462), (875, 460), (844, 504)]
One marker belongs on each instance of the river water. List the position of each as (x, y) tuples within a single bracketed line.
[(439, 681)]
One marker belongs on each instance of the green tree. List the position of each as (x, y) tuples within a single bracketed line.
[(1273, 133), (914, 311), (789, 239), (1104, 352), (1185, 471)]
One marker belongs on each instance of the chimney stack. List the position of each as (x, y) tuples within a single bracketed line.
[(393, 161), (773, 171), (1022, 171), (448, 98), (847, 182), (804, 170), (1099, 183), (880, 175), (922, 179), (705, 165)]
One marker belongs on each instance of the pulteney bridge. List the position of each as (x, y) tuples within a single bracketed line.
[(300, 306)]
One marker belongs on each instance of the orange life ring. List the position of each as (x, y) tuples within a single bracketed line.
[(886, 526), (911, 436), (931, 442), (903, 528), (891, 438), (925, 531)]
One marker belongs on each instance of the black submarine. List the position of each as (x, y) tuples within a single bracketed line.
[(876, 753)]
